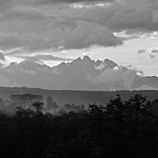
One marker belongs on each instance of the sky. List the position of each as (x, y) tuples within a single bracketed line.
[(53, 31)]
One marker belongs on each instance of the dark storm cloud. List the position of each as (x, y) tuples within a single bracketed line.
[(54, 33), (73, 1), (54, 25), (5, 5), (141, 15), (4, 2), (23, 14), (34, 28)]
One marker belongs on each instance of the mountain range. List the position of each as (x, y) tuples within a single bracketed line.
[(80, 74)]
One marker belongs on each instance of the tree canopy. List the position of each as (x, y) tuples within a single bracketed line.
[(120, 129)]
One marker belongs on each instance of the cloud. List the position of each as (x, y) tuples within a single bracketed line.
[(141, 51), (4, 2), (140, 14), (14, 51), (39, 35), (44, 57), (155, 16), (73, 1), (2, 57), (87, 34), (59, 25), (152, 52), (36, 29)]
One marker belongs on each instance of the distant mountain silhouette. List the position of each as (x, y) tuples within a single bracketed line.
[(80, 74)]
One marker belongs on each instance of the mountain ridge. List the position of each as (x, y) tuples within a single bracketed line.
[(80, 74)]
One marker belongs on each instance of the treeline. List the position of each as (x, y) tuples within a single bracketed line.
[(26, 100), (121, 129)]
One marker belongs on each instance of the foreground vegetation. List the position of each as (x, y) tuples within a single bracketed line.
[(121, 129)]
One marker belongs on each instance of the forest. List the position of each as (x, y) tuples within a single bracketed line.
[(119, 129)]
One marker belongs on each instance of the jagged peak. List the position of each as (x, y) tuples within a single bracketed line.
[(110, 62), (27, 65), (86, 58), (77, 59), (98, 62), (12, 64)]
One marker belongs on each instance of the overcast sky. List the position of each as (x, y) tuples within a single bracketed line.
[(52, 31)]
